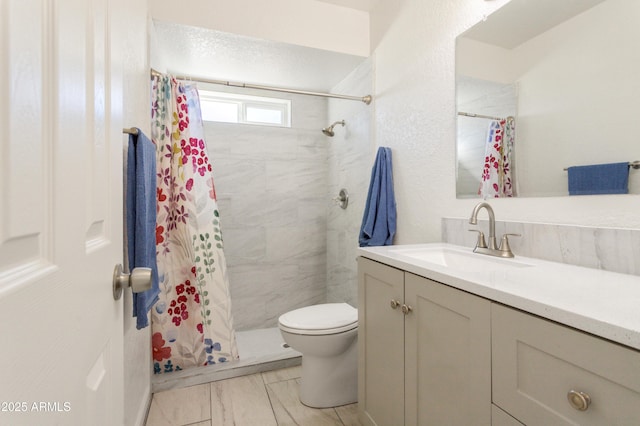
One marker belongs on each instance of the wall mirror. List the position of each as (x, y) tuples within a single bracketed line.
[(569, 72)]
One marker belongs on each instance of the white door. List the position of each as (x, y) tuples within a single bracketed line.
[(60, 213)]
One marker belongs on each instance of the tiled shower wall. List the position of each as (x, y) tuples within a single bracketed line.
[(271, 184), (611, 249), (287, 244), (350, 161)]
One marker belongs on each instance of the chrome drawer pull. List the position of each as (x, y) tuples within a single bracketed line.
[(395, 304), (579, 400), (406, 309)]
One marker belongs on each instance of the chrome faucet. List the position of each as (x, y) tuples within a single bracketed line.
[(473, 220), (491, 248)]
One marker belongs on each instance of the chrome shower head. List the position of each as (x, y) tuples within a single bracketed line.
[(329, 130)]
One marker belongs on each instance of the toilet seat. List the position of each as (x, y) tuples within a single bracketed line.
[(323, 319)]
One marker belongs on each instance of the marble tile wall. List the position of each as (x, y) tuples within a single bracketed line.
[(611, 249), (351, 154), (271, 184)]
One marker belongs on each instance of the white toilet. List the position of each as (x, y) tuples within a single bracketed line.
[(326, 335)]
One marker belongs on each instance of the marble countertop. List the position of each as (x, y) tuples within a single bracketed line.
[(605, 304)]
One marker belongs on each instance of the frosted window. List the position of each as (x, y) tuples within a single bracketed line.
[(244, 109), (262, 115), (220, 111)]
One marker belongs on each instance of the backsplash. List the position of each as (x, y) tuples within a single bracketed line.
[(610, 249)]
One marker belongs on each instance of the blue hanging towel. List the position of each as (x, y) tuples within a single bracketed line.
[(610, 178), (141, 220), (379, 220)]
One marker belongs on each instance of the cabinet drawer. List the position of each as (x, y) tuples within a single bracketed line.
[(536, 363)]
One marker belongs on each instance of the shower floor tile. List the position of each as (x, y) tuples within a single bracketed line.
[(259, 350), (262, 345), (264, 399)]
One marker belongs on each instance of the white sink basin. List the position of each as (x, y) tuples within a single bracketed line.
[(458, 259)]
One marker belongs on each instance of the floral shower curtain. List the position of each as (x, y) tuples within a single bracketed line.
[(497, 173), (191, 324)]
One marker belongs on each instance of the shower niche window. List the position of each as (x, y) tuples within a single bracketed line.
[(244, 109)]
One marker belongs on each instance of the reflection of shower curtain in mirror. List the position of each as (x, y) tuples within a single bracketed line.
[(191, 323), (497, 172)]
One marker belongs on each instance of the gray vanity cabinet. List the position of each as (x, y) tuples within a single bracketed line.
[(380, 344), (424, 351), (432, 354), (545, 373)]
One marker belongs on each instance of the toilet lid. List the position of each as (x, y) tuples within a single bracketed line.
[(327, 318)]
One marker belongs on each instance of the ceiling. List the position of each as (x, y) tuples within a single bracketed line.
[(521, 20), (206, 53), (364, 5)]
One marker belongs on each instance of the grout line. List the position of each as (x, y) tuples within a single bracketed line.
[(211, 402), (289, 413), (195, 423), (338, 416), (269, 397)]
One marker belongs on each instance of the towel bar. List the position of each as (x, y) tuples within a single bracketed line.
[(633, 164)]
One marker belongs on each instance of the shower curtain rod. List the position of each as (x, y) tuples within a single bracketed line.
[(468, 114), (366, 99)]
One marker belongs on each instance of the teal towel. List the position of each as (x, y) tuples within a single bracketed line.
[(141, 220), (379, 220), (610, 178)]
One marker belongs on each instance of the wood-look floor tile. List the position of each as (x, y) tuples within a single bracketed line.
[(241, 401), (349, 414), (282, 374), (180, 406), (290, 411)]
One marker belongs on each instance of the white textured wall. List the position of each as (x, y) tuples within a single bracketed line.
[(308, 23), (271, 184), (202, 52), (415, 115), (485, 61), (557, 92)]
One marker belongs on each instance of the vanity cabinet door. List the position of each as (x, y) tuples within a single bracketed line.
[(381, 338), (447, 355), (537, 363), (500, 418)]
